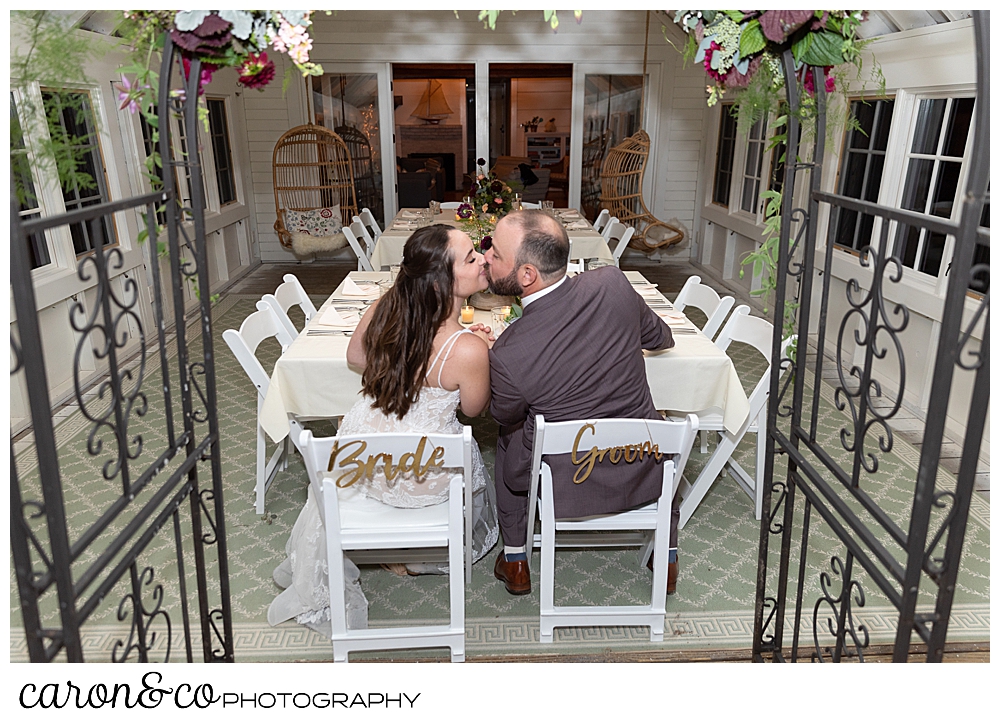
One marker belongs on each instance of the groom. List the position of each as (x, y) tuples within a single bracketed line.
[(576, 353)]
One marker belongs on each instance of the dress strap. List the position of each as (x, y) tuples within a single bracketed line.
[(446, 350)]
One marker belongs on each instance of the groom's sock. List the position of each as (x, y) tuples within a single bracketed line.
[(513, 554)]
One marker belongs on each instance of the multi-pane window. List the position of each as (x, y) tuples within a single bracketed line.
[(71, 123), (27, 198), (749, 198), (861, 169), (724, 155), (934, 166), (184, 189), (221, 151)]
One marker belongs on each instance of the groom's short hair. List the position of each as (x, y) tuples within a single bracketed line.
[(544, 243)]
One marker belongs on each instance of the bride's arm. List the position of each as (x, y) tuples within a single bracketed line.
[(469, 368), (355, 348)]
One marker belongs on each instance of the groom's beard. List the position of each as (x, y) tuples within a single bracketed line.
[(507, 286)]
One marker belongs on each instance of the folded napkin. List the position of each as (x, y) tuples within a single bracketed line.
[(647, 293), (579, 225), (350, 288), (409, 214), (331, 317)]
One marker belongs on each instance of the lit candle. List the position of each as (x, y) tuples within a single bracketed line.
[(467, 314)]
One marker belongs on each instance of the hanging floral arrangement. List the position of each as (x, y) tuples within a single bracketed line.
[(734, 46), (218, 38)]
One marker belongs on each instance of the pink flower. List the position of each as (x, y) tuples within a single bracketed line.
[(129, 95), (807, 79), (257, 71), (206, 73)]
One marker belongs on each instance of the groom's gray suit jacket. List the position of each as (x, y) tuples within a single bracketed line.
[(576, 353)]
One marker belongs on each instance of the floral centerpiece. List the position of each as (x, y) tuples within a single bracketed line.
[(491, 199)]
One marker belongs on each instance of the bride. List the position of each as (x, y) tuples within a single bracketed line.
[(419, 366)]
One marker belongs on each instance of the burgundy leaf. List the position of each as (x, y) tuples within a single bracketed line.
[(212, 25), (777, 25)]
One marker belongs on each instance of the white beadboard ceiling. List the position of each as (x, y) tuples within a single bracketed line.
[(880, 22)]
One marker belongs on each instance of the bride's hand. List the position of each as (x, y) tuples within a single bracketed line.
[(484, 332)]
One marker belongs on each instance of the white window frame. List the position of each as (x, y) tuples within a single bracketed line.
[(62, 254), (763, 171), (213, 168), (900, 141)]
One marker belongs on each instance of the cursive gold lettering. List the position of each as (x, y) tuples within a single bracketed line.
[(629, 452), (435, 460), (352, 459), (356, 469)]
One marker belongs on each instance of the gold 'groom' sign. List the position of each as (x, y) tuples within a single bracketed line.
[(629, 452), (408, 462)]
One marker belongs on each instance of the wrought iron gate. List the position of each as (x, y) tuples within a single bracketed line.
[(817, 489), (66, 570)]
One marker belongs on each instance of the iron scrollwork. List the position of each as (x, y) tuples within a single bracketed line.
[(942, 499), (867, 335), (104, 339), (840, 607), (141, 638)]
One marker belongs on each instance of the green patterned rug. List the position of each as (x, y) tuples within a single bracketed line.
[(713, 607)]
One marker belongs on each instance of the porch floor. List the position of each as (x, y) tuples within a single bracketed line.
[(709, 619)]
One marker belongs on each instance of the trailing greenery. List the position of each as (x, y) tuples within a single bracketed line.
[(53, 56), (489, 17)]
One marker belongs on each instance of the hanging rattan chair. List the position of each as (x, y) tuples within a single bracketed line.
[(365, 186), (312, 170), (621, 194)]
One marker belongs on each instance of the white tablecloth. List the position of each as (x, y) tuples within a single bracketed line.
[(587, 243), (312, 378)]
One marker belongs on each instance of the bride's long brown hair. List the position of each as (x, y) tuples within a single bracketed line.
[(400, 337)]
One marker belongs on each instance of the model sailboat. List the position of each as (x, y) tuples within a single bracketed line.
[(432, 107)]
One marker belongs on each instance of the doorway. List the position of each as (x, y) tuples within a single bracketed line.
[(434, 120), (530, 116)]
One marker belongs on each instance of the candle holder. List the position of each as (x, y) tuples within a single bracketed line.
[(468, 314)]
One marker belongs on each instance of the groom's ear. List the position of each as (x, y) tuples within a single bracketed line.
[(527, 275)]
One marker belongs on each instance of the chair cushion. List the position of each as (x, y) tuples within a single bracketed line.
[(358, 512), (316, 222)]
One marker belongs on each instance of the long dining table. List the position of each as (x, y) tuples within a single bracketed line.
[(312, 378), (388, 251)]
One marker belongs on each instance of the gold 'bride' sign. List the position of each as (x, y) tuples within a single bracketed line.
[(358, 469), (628, 452)]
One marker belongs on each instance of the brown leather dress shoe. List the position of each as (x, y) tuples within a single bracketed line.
[(514, 575), (671, 575)]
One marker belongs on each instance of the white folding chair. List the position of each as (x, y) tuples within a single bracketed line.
[(696, 294), (450, 205), (573, 265), (355, 522), (618, 237), (602, 220), (757, 333), (368, 219), (607, 227), (361, 233), (260, 325), (672, 437), (529, 204), (289, 294), (364, 264)]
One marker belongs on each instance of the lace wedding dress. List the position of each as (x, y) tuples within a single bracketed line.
[(304, 572)]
